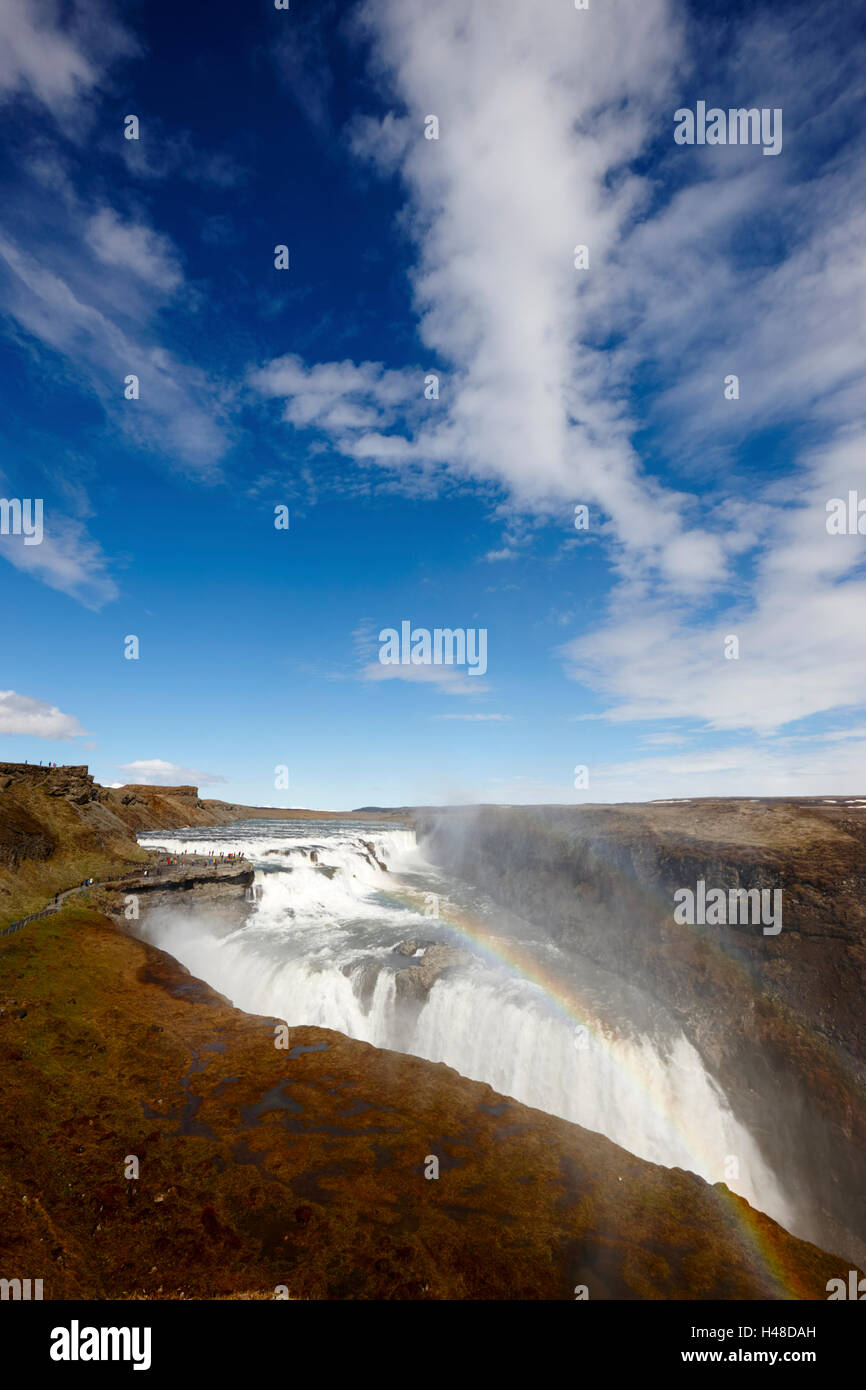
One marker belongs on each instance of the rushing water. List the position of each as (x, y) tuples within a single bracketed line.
[(318, 947)]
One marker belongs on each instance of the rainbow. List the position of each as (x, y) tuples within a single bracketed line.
[(757, 1229)]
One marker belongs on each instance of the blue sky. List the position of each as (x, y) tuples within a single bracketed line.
[(557, 386)]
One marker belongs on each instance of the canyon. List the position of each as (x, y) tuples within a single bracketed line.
[(304, 1168)]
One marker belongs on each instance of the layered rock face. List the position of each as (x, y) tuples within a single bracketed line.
[(197, 882), (779, 1020), (73, 783), (218, 891)]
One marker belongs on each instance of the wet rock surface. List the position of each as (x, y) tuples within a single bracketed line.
[(414, 982)]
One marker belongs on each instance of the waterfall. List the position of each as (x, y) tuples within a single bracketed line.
[(318, 948)]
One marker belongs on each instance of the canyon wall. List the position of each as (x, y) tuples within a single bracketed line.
[(778, 1020)]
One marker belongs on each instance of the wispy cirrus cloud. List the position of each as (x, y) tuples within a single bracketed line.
[(164, 153), (799, 626), (135, 248), (58, 54), (68, 560), (96, 311), (78, 275)]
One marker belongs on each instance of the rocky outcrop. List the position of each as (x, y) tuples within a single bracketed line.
[(196, 880), (778, 1020), (372, 858), (202, 887), (414, 982), (74, 784)]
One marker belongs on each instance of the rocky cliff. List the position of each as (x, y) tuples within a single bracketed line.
[(778, 1020)]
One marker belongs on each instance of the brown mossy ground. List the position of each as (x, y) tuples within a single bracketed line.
[(304, 1167)]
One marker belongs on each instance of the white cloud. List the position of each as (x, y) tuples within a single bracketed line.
[(166, 152), (22, 714), (80, 276), (134, 247), (68, 559), (759, 273), (539, 117), (783, 767), (802, 640), (496, 718), (99, 318), (158, 772), (822, 765), (57, 54), (451, 680), (746, 269), (789, 330), (338, 397)]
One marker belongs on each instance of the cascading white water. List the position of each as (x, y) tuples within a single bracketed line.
[(318, 948)]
